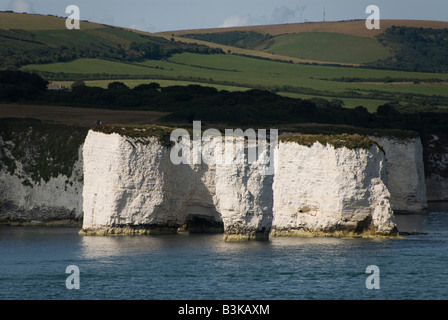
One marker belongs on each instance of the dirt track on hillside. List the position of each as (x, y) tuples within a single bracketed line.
[(354, 27), (78, 116)]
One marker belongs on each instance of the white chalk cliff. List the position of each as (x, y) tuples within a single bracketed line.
[(58, 200), (134, 187), (321, 188), (437, 167), (131, 186), (405, 177)]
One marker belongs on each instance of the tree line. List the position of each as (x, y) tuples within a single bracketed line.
[(415, 49), (194, 102)]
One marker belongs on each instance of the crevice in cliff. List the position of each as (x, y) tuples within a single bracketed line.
[(198, 224), (365, 225)]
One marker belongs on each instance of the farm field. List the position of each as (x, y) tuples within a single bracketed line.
[(351, 27), (78, 116), (132, 83), (323, 33), (326, 46), (296, 60), (246, 72), (370, 104), (241, 70)]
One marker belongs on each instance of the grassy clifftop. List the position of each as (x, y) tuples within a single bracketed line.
[(306, 134), (354, 141), (140, 132)]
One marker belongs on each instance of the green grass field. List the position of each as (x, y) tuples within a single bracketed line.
[(370, 104), (102, 35), (228, 71), (132, 83), (334, 47), (249, 72), (237, 71), (91, 66), (224, 71)]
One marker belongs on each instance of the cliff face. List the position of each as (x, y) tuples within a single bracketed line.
[(40, 172), (133, 187), (117, 184), (405, 173), (57, 200), (436, 165), (323, 189)]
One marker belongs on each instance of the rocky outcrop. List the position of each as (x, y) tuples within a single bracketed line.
[(41, 172), (323, 189), (116, 184), (131, 186), (56, 201), (405, 177), (436, 165)]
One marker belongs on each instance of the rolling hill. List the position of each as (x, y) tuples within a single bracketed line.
[(27, 39), (344, 43), (286, 40), (30, 39), (296, 60), (349, 27)]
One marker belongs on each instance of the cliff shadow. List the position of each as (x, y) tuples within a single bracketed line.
[(190, 193)]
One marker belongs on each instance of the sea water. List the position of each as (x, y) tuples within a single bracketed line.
[(34, 261)]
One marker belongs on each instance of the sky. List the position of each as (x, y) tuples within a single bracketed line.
[(170, 15)]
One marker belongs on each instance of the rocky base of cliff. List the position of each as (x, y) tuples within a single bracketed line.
[(237, 237), (345, 233), (239, 233), (129, 230), (11, 214)]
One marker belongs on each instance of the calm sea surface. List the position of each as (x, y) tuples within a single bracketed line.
[(33, 263)]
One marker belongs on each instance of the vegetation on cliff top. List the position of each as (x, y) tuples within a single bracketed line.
[(45, 150), (353, 141), (140, 132), (337, 136)]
